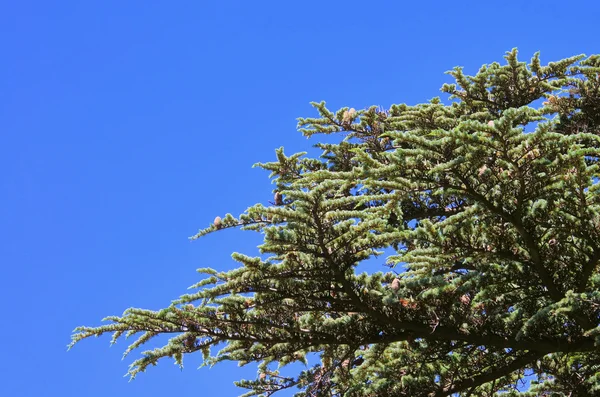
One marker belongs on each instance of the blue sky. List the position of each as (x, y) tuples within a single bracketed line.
[(129, 125)]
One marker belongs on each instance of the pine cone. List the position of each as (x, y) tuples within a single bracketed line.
[(278, 198)]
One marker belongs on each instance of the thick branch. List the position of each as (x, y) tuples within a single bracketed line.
[(588, 270), (489, 376)]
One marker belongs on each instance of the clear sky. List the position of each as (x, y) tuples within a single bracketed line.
[(128, 125)]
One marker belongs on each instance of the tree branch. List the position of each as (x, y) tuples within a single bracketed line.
[(489, 376)]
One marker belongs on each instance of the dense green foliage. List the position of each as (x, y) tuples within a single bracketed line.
[(489, 204)]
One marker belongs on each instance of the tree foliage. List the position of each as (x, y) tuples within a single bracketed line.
[(489, 206)]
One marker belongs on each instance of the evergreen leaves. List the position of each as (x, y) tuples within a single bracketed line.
[(491, 205)]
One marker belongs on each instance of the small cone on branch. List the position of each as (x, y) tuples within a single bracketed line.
[(491, 123), (349, 116), (482, 170), (278, 198), (395, 285), (465, 299), (217, 222)]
